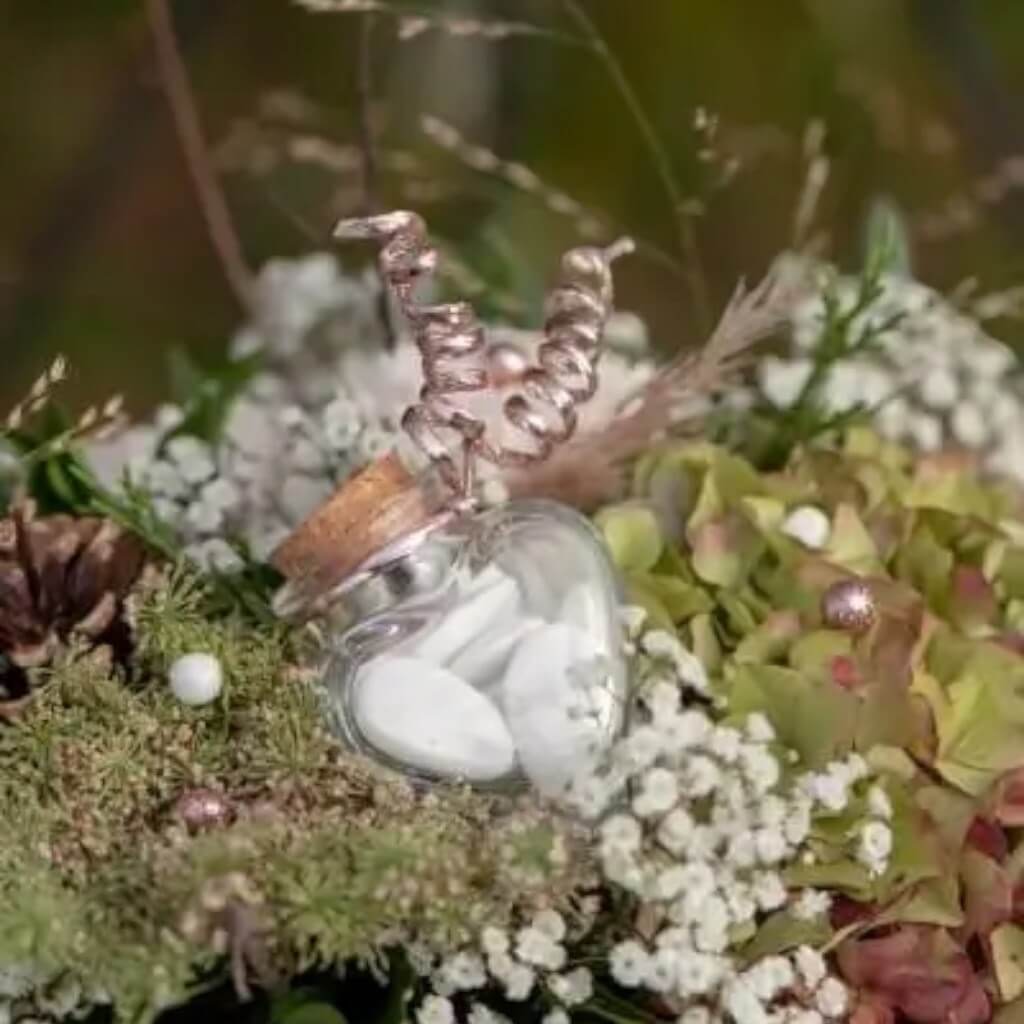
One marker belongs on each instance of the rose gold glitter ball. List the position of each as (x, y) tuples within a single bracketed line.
[(201, 809), (849, 605), (506, 364)]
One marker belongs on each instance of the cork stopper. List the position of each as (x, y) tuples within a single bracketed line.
[(378, 505)]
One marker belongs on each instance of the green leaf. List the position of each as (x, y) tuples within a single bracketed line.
[(850, 545), (1008, 960), (813, 654), (844, 874), (934, 902), (633, 536), (887, 240), (813, 719), (782, 932), (402, 981), (725, 550), (770, 640), (304, 1006), (680, 600)]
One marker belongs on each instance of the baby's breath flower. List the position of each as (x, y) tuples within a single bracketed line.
[(628, 963), (811, 966), (436, 1010), (879, 803), (810, 904), (831, 998), (572, 988), (875, 846)]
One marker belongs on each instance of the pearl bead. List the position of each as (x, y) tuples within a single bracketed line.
[(196, 679), (849, 605), (200, 809), (506, 364)]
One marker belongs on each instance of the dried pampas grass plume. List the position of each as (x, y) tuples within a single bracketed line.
[(589, 470)]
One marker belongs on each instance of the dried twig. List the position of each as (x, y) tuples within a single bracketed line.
[(414, 21), (588, 471), (175, 82)]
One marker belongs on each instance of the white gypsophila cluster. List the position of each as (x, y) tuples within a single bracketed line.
[(329, 398), (695, 823), (934, 377)]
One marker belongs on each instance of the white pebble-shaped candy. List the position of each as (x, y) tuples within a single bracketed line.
[(483, 661), (492, 599), (809, 525), (196, 679), (426, 717), (546, 707)]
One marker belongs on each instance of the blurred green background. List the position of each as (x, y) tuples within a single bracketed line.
[(104, 254)]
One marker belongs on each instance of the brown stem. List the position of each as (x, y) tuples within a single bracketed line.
[(175, 82), (368, 156), (364, 92)]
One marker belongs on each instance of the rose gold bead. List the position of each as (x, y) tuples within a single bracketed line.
[(506, 364), (200, 809), (849, 605)]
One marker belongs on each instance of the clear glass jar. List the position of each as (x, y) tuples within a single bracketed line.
[(483, 648)]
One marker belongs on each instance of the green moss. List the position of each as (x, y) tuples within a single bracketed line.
[(330, 859)]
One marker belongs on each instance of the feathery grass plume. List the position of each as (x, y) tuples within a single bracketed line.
[(39, 394), (817, 168), (589, 470), (414, 21), (588, 223), (962, 211)]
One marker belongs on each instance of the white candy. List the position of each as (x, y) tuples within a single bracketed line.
[(492, 600), (483, 662), (584, 606), (428, 718), (809, 525), (543, 704), (196, 679)]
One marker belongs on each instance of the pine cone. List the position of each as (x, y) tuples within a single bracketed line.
[(60, 576)]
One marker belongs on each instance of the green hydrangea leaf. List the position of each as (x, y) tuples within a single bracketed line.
[(981, 729), (814, 653), (704, 642), (725, 550), (633, 536), (782, 932), (770, 640), (850, 545), (927, 565), (639, 594), (951, 813), (680, 600), (844, 875), (765, 514), (740, 617), (918, 854), (813, 719), (1011, 573), (933, 902), (892, 761)]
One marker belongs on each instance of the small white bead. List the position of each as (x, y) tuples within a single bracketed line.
[(809, 525), (196, 679)]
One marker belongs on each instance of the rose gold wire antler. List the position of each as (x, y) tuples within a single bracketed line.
[(451, 341)]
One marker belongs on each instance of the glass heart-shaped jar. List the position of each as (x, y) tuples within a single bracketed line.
[(481, 647)]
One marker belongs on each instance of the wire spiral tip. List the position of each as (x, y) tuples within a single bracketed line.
[(452, 344)]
